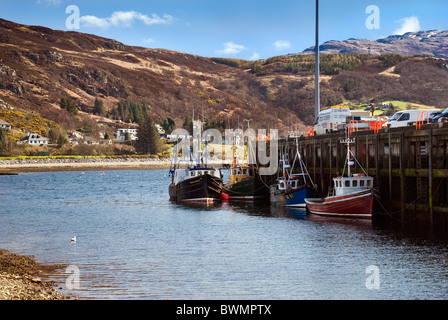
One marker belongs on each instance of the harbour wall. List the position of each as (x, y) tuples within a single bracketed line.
[(410, 167)]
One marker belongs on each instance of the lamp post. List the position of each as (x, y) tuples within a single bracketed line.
[(317, 88)]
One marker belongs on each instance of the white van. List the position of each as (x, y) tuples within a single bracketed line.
[(329, 119), (410, 117)]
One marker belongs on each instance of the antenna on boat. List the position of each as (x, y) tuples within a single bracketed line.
[(348, 161)]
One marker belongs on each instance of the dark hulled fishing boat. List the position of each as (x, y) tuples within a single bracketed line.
[(197, 184)]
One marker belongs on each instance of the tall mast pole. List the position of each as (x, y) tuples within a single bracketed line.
[(317, 88)]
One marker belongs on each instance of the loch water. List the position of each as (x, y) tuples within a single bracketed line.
[(133, 243)]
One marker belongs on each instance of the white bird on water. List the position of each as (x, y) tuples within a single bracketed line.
[(73, 239)]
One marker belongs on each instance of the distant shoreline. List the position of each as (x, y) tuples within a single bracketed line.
[(83, 164)]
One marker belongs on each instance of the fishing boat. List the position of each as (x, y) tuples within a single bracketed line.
[(244, 183), (351, 195), (195, 183), (290, 189)]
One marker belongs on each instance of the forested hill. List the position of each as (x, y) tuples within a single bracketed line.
[(40, 68)]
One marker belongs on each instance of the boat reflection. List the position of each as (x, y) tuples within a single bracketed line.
[(268, 211)]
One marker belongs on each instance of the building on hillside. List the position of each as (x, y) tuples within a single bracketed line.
[(34, 139), (5, 125), (130, 133), (75, 138)]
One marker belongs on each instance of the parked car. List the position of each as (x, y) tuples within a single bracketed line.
[(441, 117), (410, 117)]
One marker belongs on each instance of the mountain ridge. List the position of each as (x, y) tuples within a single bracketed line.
[(428, 43)]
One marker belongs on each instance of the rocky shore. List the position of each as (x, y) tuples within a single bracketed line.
[(21, 279), (81, 164)]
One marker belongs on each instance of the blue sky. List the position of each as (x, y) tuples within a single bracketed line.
[(243, 29)]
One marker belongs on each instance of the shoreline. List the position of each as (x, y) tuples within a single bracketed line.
[(21, 278), (13, 167), (8, 167)]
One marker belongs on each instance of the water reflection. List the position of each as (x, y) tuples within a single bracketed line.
[(266, 210), (135, 243)]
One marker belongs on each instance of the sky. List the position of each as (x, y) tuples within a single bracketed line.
[(241, 29)]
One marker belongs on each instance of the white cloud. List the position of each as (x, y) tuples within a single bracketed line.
[(148, 40), (255, 56), (231, 48), (282, 44), (125, 18), (408, 24), (92, 21)]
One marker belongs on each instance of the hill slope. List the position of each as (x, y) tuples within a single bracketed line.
[(39, 66)]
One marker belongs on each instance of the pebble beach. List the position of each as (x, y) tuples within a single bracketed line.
[(22, 278)]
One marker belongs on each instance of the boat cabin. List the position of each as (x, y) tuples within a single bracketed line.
[(284, 184), (356, 183), (237, 174), (189, 173)]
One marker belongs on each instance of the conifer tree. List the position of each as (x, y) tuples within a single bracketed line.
[(99, 107), (148, 137), (168, 125)]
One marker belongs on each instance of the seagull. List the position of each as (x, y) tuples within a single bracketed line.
[(73, 239)]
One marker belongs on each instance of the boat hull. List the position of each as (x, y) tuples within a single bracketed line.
[(204, 188), (295, 198), (356, 205), (245, 190)]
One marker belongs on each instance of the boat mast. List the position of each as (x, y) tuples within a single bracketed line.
[(348, 158), (347, 140)]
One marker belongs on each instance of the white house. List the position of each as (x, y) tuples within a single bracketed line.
[(75, 138), (121, 134), (5, 125), (34, 139)]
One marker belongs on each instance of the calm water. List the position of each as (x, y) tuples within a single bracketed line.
[(132, 243)]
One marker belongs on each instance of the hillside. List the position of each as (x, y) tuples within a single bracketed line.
[(40, 66)]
